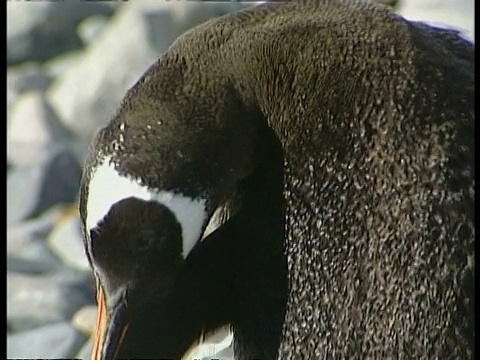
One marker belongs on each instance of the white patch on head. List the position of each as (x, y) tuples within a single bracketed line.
[(107, 187)]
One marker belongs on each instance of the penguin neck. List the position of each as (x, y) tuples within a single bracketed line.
[(260, 291)]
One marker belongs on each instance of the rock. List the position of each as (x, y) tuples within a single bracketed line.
[(33, 266), (90, 28), (34, 301), (21, 155), (66, 242), (79, 148), (23, 78), (18, 237), (85, 319), (55, 341), (57, 66), (33, 121), (31, 190), (33, 130), (85, 352), (41, 30), (27, 251), (457, 13), (93, 89), (21, 234)]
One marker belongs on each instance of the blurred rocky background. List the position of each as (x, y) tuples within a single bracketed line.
[(68, 65)]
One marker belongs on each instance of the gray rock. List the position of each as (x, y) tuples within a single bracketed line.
[(41, 30), (90, 28), (34, 301), (85, 352), (23, 155), (57, 66), (27, 251), (33, 266), (31, 190), (457, 13), (33, 121), (55, 341), (38, 228), (23, 78), (94, 88), (85, 319), (33, 130), (18, 237), (79, 148), (66, 242)]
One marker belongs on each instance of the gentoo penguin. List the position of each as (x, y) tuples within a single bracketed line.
[(330, 146)]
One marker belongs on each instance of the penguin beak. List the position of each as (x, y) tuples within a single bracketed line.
[(110, 328)]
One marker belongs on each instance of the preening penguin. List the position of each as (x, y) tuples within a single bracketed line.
[(335, 140)]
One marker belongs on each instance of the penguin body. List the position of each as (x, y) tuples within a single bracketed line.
[(352, 128)]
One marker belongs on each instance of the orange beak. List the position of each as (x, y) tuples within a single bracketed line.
[(110, 328)]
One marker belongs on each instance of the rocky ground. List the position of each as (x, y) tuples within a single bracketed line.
[(69, 64)]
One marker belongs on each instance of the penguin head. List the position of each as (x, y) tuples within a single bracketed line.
[(155, 175), (137, 239), (144, 208), (136, 245)]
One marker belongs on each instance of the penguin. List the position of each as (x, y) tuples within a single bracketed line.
[(302, 172)]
